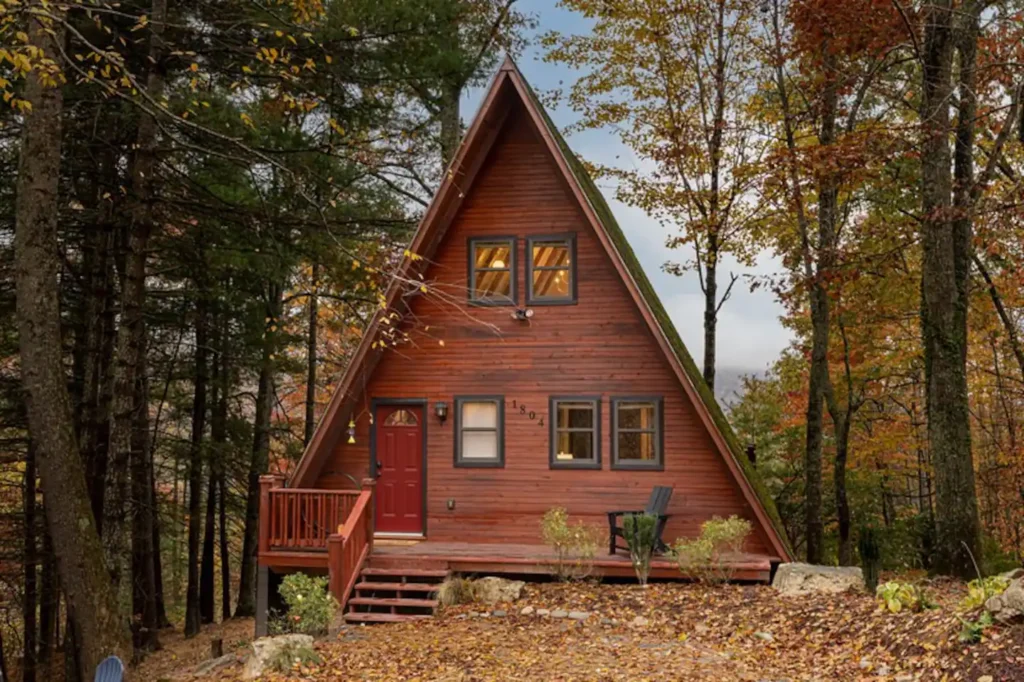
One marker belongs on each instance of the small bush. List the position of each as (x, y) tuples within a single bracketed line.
[(292, 657), (896, 597), (979, 591), (641, 532), (575, 545), (972, 630), (456, 590), (311, 608), (702, 557)]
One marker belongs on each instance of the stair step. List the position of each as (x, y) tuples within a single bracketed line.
[(354, 617), (389, 601), (397, 587), (406, 572)]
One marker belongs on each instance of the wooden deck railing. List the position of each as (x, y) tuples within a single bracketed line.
[(348, 550), (301, 519)]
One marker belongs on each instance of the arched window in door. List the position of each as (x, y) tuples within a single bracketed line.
[(401, 418)]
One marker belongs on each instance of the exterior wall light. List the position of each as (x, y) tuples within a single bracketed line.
[(351, 431), (441, 410)]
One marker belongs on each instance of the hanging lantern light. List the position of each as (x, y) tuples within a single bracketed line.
[(351, 431)]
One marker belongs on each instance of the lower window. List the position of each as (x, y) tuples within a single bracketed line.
[(636, 433), (479, 431), (575, 432)]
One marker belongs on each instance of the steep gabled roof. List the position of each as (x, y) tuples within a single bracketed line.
[(477, 142)]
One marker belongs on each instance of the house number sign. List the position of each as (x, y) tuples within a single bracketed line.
[(530, 414)]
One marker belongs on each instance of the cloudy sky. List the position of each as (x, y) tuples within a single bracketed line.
[(750, 336)]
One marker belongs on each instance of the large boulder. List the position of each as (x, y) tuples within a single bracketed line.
[(492, 590), (266, 650), (1009, 606), (797, 579)]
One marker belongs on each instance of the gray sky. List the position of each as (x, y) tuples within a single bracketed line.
[(750, 335)]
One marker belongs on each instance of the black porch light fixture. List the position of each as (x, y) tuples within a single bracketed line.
[(441, 410)]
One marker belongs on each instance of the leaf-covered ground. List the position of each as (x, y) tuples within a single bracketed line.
[(692, 632)]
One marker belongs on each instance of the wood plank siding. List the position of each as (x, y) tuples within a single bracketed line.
[(599, 346)]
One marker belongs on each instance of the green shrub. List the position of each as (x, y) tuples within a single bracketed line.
[(870, 557), (311, 608), (979, 591), (896, 597), (291, 657), (703, 556), (973, 630), (641, 533), (575, 545)]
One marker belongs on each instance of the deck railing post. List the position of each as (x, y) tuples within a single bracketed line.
[(267, 483), (336, 566), (370, 484)]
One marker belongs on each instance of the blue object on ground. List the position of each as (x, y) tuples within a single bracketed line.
[(110, 670)]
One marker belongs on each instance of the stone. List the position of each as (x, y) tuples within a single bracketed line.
[(527, 611), (543, 612), (265, 649), (799, 579), (492, 590), (579, 615), (765, 636), (639, 622), (559, 613), (883, 670), (207, 667), (1008, 607), (607, 621), (985, 678), (499, 613)]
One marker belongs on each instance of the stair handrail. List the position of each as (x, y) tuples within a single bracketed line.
[(348, 549)]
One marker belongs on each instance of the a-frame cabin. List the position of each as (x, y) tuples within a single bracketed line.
[(543, 372)]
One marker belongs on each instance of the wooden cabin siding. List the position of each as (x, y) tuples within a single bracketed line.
[(598, 346)]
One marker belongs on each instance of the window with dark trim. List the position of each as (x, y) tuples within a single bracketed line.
[(551, 269), (637, 441), (575, 441), (492, 271), (479, 431)]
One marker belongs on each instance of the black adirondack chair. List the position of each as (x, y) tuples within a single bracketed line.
[(657, 504)]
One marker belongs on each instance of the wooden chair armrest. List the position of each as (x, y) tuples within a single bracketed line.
[(627, 511)]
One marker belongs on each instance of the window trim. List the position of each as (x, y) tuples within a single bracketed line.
[(658, 464), (458, 460), (553, 462), (471, 270), (570, 239)]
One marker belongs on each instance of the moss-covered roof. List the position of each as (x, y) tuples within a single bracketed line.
[(632, 264)]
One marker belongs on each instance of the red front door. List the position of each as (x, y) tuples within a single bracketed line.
[(399, 469)]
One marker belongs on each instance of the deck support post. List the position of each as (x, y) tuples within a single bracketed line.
[(262, 600), (370, 484), (335, 565), (267, 483)]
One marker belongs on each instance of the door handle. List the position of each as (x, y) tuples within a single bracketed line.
[(380, 465)]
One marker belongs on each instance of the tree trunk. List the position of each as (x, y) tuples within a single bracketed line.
[(101, 627), (195, 475), (28, 610), (451, 124), (158, 571), (945, 241), (842, 501), (206, 567), (314, 323), (49, 605), (145, 619), (218, 433), (260, 460), (225, 555)]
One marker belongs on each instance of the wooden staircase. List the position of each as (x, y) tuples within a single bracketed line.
[(387, 594)]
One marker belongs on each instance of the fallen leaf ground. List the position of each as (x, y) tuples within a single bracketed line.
[(693, 632)]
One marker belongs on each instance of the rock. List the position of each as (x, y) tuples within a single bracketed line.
[(579, 615), (527, 611), (985, 678), (765, 636), (607, 621), (543, 612), (798, 579), (640, 622), (1008, 607), (499, 613), (883, 670), (559, 613), (492, 590), (1013, 575), (207, 667), (265, 649)]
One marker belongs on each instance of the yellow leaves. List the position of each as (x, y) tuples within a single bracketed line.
[(247, 120), (194, 68)]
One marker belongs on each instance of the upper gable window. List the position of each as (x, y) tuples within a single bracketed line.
[(492, 270), (551, 271)]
